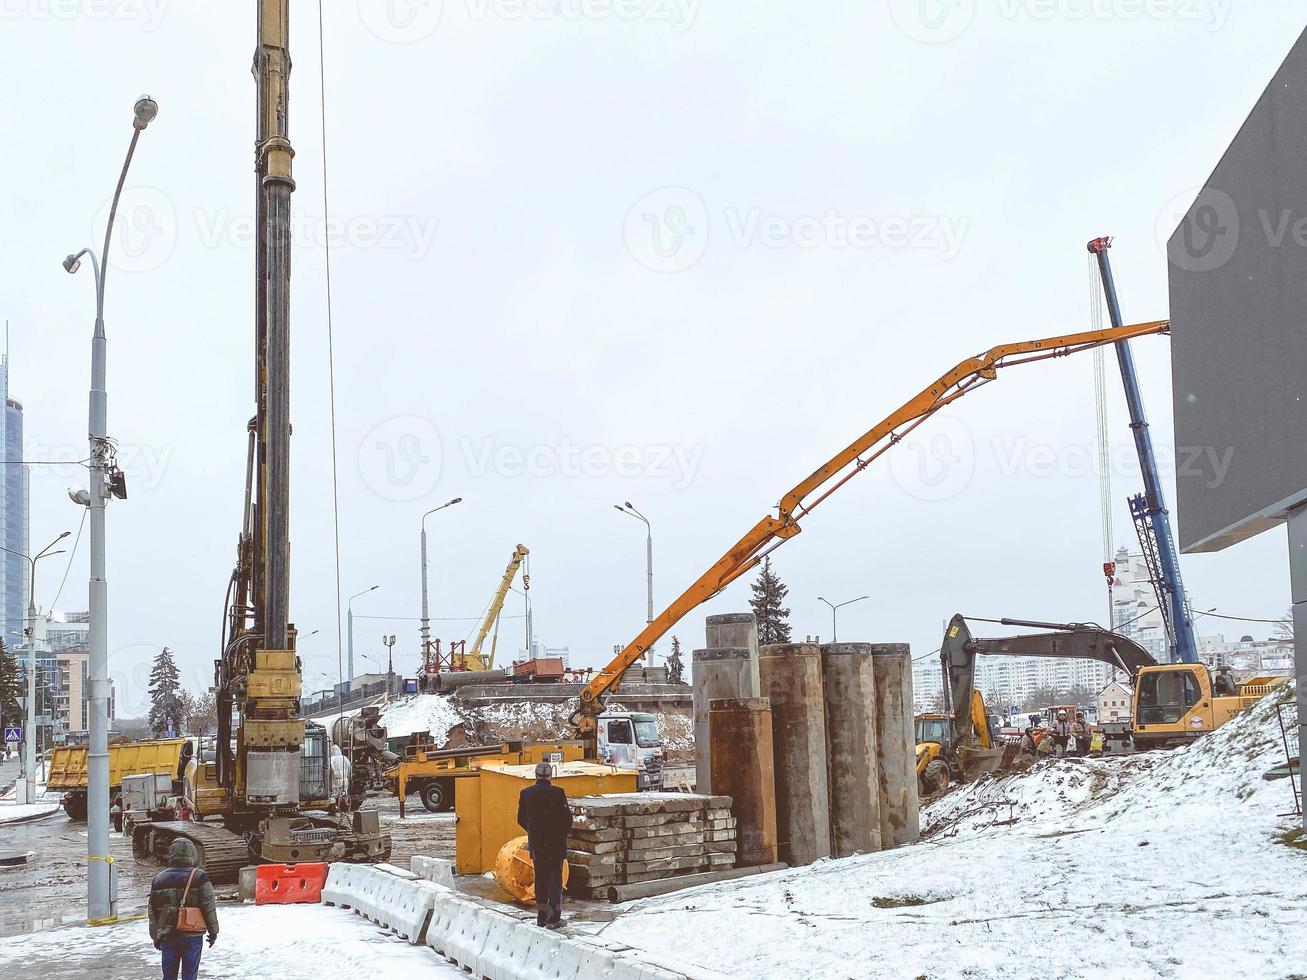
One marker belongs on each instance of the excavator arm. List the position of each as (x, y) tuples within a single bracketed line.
[(492, 614), (1077, 641), (770, 532)]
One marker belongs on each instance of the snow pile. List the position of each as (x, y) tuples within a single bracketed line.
[(421, 713), (677, 733), (1159, 865)]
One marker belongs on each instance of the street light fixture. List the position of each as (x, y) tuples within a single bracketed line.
[(28, 794), (426, 622), (834, 606), (628, 508), (389, 642), (105, 479), (349, 618)]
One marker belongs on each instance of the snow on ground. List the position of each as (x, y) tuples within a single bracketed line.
[(268, 942), (1164, 864), (11, 812)]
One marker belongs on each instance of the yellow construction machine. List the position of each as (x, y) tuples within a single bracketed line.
[(1176, 703), (263, 789), (770, 532), (459, 658)]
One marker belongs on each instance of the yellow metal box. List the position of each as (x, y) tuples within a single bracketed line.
[(486, 807)]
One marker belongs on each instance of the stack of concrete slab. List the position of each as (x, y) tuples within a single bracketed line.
[(623, 839)]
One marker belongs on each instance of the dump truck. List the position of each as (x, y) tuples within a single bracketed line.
[(68, 765)]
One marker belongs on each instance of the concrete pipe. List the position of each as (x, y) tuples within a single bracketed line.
[(737, 631), (453, 679), (715, 674), (742, 758), (849, 687), (791, 680), (896, 745)]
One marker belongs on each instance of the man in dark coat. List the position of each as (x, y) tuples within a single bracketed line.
[(181, 950), (542, 812)]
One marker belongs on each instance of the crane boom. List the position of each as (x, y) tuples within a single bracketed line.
[(496, 607), (770, 532)]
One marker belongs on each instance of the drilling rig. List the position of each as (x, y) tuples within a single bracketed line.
[(262, 789)]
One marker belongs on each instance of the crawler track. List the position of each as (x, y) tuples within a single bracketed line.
[(222, 853)]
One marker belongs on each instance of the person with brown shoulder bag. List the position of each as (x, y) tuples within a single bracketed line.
[(182, 910)]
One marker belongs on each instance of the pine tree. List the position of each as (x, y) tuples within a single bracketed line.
[(675, 666), (10, 687), (165, 695), (773, 618)]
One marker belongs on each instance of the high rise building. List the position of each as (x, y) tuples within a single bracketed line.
[(15, 487)]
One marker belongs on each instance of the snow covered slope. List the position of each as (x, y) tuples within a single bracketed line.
[(1158, 865)]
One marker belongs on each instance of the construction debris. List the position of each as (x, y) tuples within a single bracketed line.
[(630, 838)]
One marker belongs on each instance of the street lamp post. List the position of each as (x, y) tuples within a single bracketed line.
[(834, 606), (426, 622), (349, 619), (29, 732), (100, 901), (627, 508), (389, 642)]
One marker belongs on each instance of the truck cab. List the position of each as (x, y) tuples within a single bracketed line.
[(629, 740)]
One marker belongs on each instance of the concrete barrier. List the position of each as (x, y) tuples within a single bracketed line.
[(467, 938), (438, 870), (445, 918), (410, 909), (340, 887)]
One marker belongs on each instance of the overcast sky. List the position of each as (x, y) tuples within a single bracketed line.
[(666, 251)]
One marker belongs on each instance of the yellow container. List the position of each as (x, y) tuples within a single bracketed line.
[(486, 807), (68, 762)]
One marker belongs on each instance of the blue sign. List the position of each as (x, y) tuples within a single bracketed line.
[(13, 734)]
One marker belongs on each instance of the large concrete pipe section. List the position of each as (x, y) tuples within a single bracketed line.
[(791, 680), (450, 680), (848, 678), (896, 745), (742, 761), (736, 631), (716, 674)]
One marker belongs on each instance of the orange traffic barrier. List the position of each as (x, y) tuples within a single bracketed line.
[(289, 884)]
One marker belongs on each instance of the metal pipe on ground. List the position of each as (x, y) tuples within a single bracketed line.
[(849, 688), (450, 680), (900, 818), (651, 889), (743, 760), (791, 680)]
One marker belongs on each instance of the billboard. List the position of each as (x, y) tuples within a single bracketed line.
[(1238, 285)]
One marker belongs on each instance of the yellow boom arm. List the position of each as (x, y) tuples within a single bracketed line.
[(473, 658), (770, 532)]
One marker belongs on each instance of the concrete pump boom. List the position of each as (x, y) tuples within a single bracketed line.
[(770, 532)]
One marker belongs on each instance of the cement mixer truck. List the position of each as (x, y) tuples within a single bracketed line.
[(362, 740)]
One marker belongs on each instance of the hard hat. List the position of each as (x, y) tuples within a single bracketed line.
[(544, 770), (1061, 714)]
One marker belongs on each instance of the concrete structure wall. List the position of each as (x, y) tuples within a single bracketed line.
[(895, 745), (740, 732), (736, 631), (849, 691), (716, 675), (791, 680)]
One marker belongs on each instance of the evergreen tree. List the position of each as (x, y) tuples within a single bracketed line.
[(773, 618), (675, 666), (10, 687), (166, 702)]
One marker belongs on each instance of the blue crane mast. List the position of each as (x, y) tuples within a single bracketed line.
[(1148, 509)]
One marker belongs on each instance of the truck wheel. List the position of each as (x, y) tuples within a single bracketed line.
[(75, 806), (935, 778), (437, 796)]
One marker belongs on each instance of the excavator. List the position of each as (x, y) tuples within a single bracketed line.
[(262, 791), (958, 745), (773, 531), (461, 659)]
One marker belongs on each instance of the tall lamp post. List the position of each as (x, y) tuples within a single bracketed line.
[(426, 622), (389, 643), (28, 794), (836, 606), (627, 508), (349, 619), (100, 900)]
